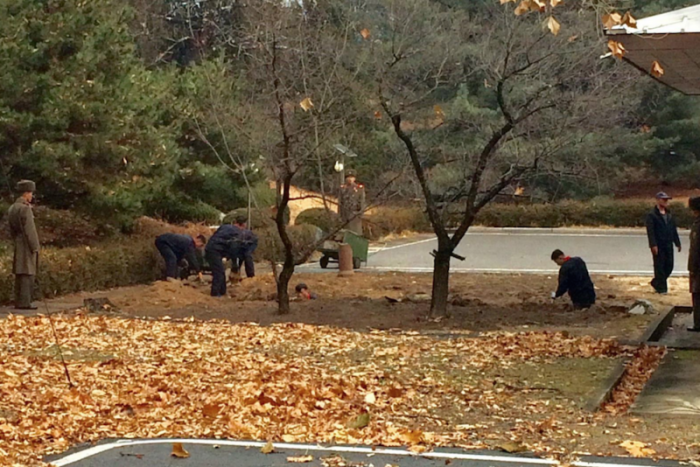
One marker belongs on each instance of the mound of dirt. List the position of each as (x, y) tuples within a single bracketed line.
[(167, 295)]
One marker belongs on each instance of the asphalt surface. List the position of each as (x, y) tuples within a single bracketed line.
[(619, 252), (217, 453)]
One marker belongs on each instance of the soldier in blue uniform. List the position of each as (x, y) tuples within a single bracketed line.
[(236, 243), (174, 248), (663, 235)]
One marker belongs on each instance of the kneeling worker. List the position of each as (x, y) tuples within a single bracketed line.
[(574, 279), (236, 243), (174, 248)]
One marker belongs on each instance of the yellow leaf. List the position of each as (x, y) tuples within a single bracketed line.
[(438, 112), (629, 20), (537, 5), (300, 459), (365, 33), (618, 50), (211, 410), (370, 398), (179, 451), (288, 438), (555, 3), (657, 70), (512, 447), (637, 448), (553, 25), (573, 38), (418, 449), (306, 104), (612, 20), (503, 2), (523, 7), (268, 448)]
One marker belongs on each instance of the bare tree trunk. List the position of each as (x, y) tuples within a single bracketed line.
[(283, 287), (441, 280)]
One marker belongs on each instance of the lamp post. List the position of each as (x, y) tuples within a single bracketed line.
[(340, 165)]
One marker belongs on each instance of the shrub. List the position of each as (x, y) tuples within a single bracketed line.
[(385, 220), (323, 218), (270, 246), (59, 228), (594, 213), (262, 218), (69, 270)]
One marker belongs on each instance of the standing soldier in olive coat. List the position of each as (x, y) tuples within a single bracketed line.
[(352, 203), (694, 262), (26, 242)]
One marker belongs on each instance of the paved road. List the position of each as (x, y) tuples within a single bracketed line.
[(620, 252), (218, 453)]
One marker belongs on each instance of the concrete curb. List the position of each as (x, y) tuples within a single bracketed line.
[(604, 393)]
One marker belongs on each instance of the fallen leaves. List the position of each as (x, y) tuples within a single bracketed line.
[(657, 70), (306, 104), (290, 382), (300, 459), (637, 448), (616, 19), (638, 371), (269, 448), (553, 25), (179, 451), (617, 49), (365, 33), (360, 421)]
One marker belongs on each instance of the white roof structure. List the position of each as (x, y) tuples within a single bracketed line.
[(673, 40)]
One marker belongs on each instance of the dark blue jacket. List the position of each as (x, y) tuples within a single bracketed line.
[(574, 279), (183, 246), (235, 244), (662, 233)]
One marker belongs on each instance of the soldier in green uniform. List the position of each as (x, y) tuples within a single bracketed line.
[(26, 242), (352, 203)]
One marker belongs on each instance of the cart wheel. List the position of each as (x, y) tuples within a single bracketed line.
[(324, 262), (356, 263)]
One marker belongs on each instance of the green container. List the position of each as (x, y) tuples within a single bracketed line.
[(359, 244)]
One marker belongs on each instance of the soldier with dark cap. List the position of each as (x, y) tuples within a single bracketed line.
[(352, 203), (235, 242), (694, 262), (662, 234), (26, 243)]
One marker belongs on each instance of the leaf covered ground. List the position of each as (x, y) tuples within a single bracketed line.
[(295, 382)]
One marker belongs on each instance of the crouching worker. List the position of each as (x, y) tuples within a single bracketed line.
[(236, 243), (174, 248), (574, 280)]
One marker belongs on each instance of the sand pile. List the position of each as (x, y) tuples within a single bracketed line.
[(168, 295)]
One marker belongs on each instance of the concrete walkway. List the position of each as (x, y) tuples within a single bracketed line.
[(674, 389)]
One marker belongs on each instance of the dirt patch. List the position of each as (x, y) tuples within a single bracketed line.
[(364, 301)]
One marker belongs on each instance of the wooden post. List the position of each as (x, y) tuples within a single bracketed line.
[(345, 260)]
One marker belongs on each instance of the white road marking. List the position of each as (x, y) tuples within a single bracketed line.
[(93, 451)]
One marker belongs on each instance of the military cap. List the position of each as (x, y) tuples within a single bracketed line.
[(24, 186)]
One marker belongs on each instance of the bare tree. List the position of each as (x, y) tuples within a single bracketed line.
[(541, 94)]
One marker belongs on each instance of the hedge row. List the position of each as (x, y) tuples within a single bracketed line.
[(123, 262), (594, 213), (68, 270), (610, 213)]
